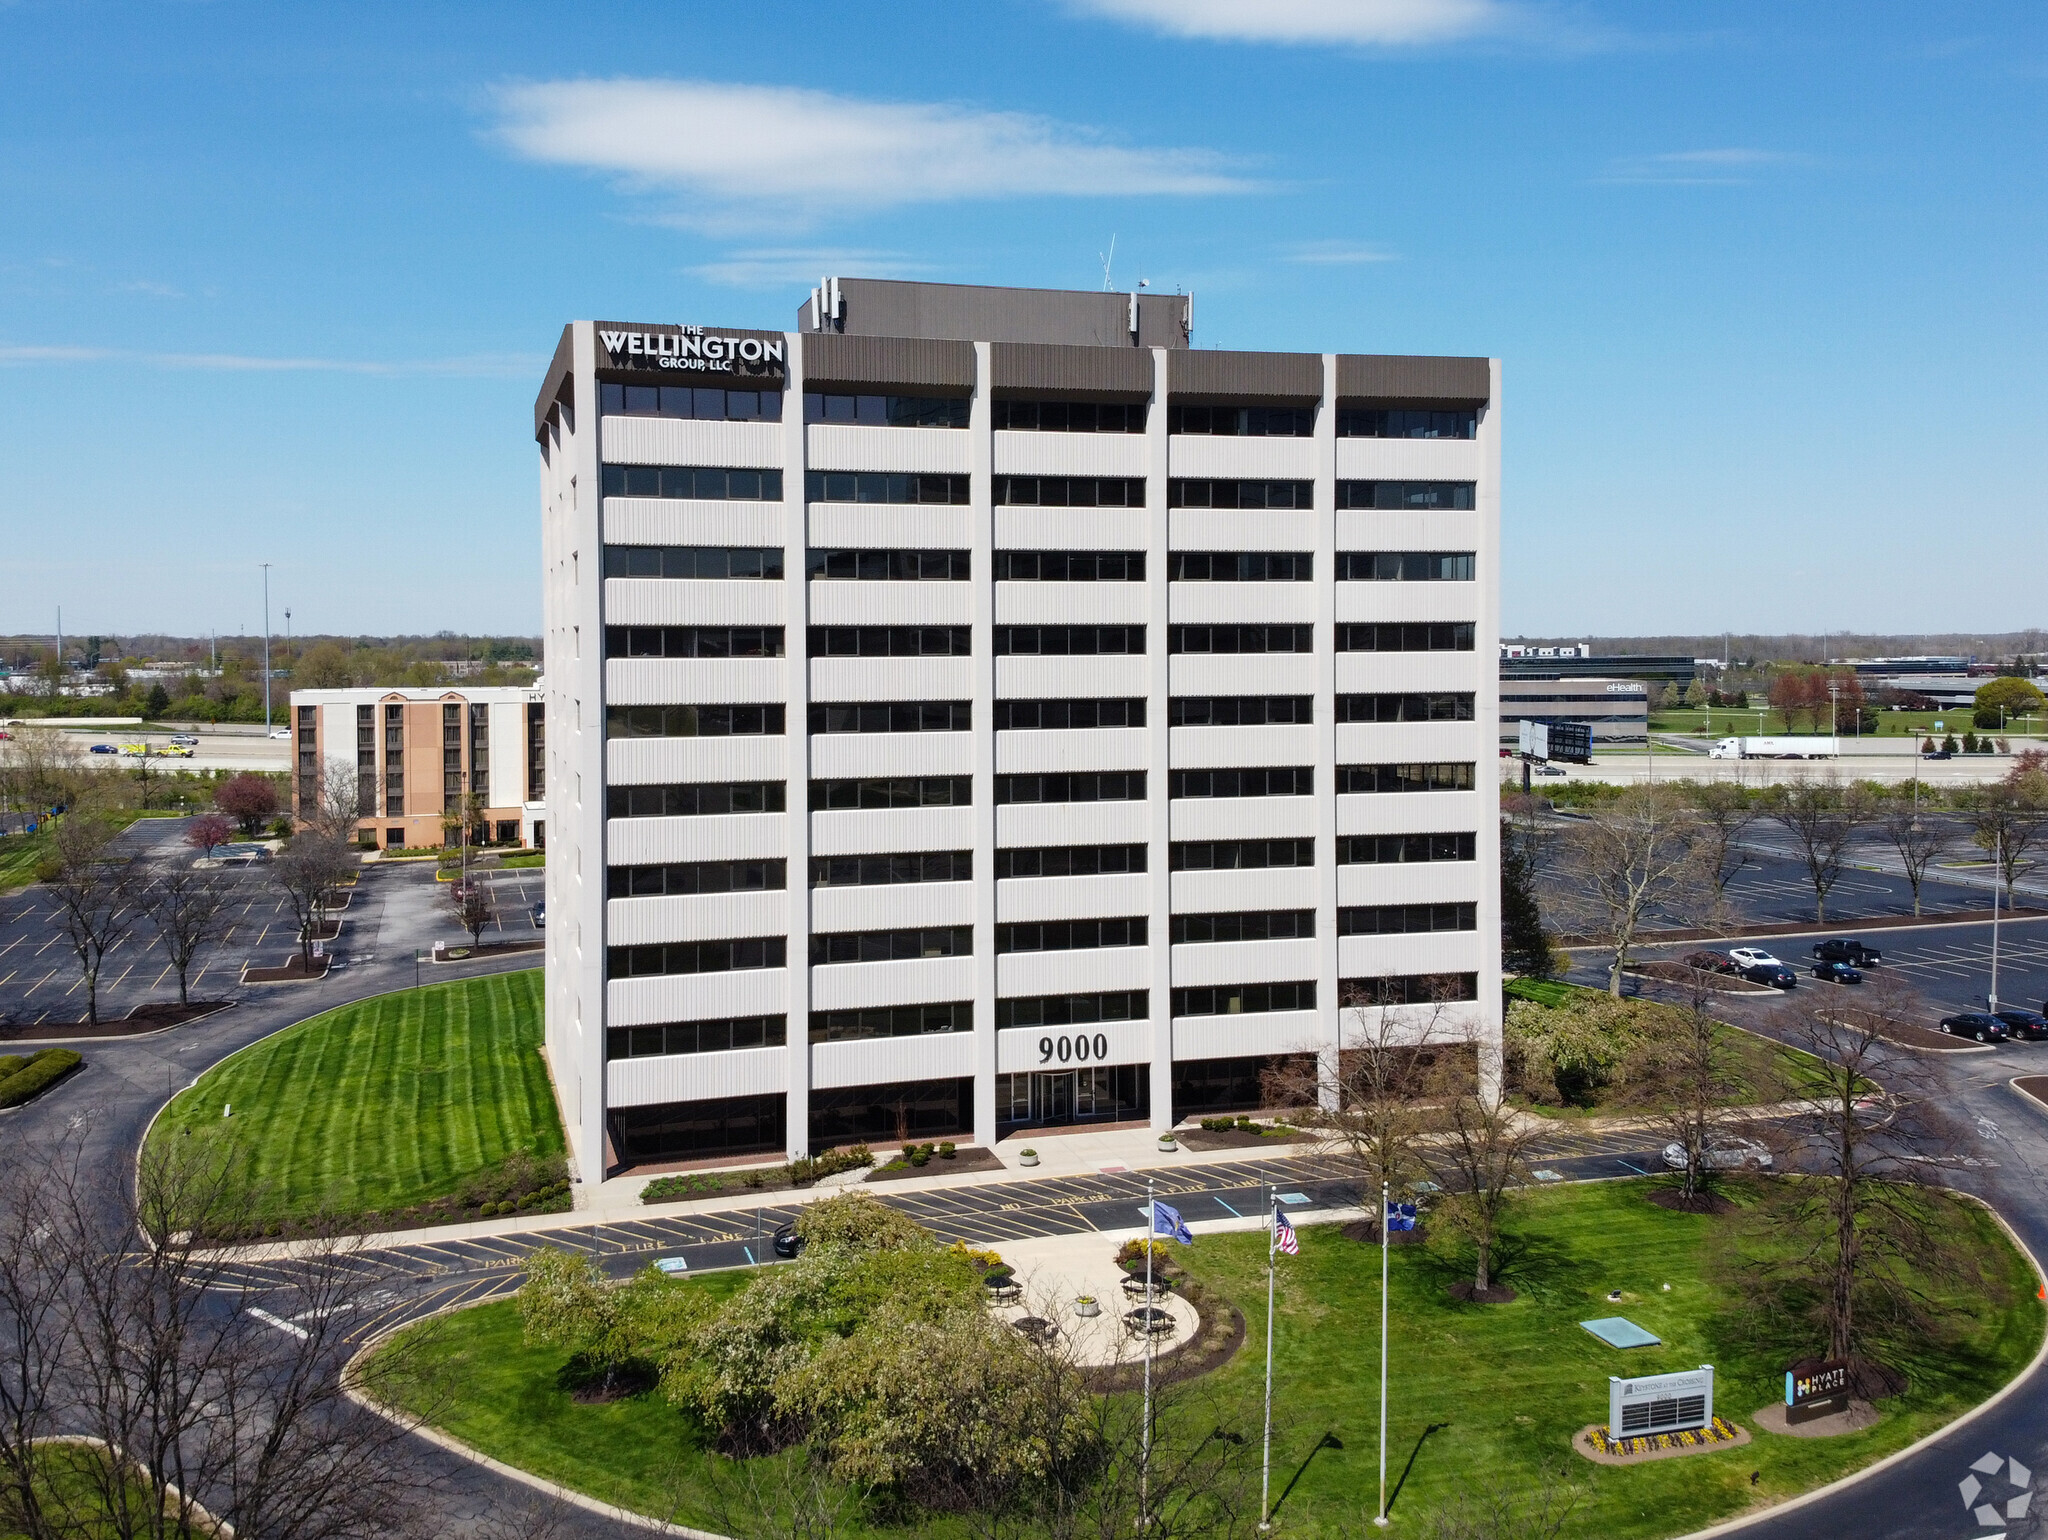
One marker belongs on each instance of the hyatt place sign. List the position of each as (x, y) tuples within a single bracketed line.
[(694, 349)]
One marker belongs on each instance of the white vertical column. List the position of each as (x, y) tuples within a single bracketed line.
[(982, 571), (1486, 720), (579, 706), (796, 613), (1329, 1009), (1158, 745)]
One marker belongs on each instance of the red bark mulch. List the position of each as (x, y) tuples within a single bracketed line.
[(488, 949), (295, 971)]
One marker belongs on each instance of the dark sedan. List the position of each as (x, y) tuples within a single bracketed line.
[(787, 1242), (2026, 1026), (1978, 1026), (1710, 962), (1837, 973), (1777, 975), (1848, 950)]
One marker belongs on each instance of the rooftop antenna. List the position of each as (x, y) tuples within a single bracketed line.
[(1107, 260)]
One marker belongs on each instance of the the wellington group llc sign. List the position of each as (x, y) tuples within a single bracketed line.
[(693, 348)]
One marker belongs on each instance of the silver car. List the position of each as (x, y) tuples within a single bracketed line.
[(1722, 1155)]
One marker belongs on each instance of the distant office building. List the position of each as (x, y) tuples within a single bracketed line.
[(1616, 709), (1579, 661), (418, 754), (1885, 669)]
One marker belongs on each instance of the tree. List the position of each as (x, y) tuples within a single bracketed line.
[(337, 806), (1684, 1077), (208, 833), (2005, 824), (1725, 812), (475, 909), (1696, 694), (1794, 696), (1524, 945), (306, 871), (146, 773), (1480, 1157), (157, 702), (1822, 818), (1998, 701), (40, 768), (189, 908), (249, 799), (94, 890), (323, 666), (566, 1301), (1626, 858), (1565, 1051), (1920, 842)]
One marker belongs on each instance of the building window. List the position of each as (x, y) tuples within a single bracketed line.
[(1390, 778), (1437, 706), (892, 1021), (1240, 710), (1055, 715), (1070, 566), (451, 756), (1409, 989), (731, 1125), (1189, 492), (1387, 849), (886, 411), (308, 747), (1070, 861), (1240, 639), (693, 721), (719, 1035), (883, 487), (697, 799), (1246, 925), (1068, 641), (366, 761), (1094, 1093), (901, 716), (1405, 919), (1406, 636), (708, 483), (1098, 786), (1280, 781), (480, 753), (1071, 935), (1074, 1010), (1404, 566), (677, 957), (1238, 1085), (1407, 422), (1414, 496), (1240, 566), (860, 946), (394, 761), (693, 641), (1240, 855), (1068, 491), (890, 641), (890, 870), (874, 566), (1069, 416), (1245, 999), (689, 402), (892, 791), (692, 561), (683, 878), (1243, 421), (913, 1109)]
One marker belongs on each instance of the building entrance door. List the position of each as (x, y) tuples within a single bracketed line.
[(1056, 1098)]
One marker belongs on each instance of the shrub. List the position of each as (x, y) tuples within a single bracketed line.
[(519, 1172), (977, 1258), (665, 1188), (946, 1150), (10, 1062), (854, 1221), (1131, 1255), (1219, 1125), (40, 1073)]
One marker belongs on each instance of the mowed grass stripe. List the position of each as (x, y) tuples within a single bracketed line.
[(388, 1102)]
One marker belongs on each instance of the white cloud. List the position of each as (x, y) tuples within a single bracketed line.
[(1381, 23), (486, 365), (1338, 253), (733, 148), (780, 267), (145, 286), (1730, 167)]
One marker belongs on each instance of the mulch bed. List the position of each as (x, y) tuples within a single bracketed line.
[(144, 1018), (488, 949), (1495, 1294), (1367, 1233), (1927, 1040), (2033, 1086), (1219, 1333), (1593, 1442), (938, 1165), (1234, 1139), (1679, 973), (294, 972)]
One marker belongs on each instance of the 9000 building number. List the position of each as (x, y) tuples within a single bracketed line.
[(1077, 1049)]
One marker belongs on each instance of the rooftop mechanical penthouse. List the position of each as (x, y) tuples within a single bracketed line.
[(977, 710)]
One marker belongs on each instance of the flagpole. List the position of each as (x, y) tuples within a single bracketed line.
[(1266, 1458), (1145, 1454), (1385, 1225)]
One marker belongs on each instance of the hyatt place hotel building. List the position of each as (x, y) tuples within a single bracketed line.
[(977, 710)]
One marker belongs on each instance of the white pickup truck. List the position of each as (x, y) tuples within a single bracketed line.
[(1776, 748)]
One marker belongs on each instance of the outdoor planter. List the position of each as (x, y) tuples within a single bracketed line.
[(1086, 1305), (1168, 1143), (1027, 1157)]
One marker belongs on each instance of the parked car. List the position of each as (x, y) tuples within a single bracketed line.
[(101, 748), (1710, 962), (1848, 950), (1776, 974), (1753, 957), (1978, 1026), (540, 915), (787, 1242), (1837, 973), (2024, 1025), (1725, 1154)]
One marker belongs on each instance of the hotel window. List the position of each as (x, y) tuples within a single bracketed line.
[(536, 751), (886, 411), (308, 747), (687, 401), (451, 756), (708, 483), (366, 761), (394, 761), (1069, 416), (480, 753)]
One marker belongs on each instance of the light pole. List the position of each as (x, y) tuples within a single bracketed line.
[(1997, 867), (266, 649)]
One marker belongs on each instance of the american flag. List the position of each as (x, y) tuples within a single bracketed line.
[(1283, 1235)]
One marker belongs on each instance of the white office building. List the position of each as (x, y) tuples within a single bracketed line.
[(978, 710)]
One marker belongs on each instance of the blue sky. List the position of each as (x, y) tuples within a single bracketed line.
[(278, 283)]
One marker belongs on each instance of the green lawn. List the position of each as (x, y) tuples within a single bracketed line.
[(388, 1102), (1479, 1393)]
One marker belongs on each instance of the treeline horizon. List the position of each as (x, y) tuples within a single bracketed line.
[(1751, 648)]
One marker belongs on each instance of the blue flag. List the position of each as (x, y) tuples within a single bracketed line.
[(1400, 1216), (1167, 1224)]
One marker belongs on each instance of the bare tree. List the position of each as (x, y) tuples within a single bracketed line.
[(1626, 859), (1725, 811), (307, 871), (475, 908), (1822, 818), (2006, 824), (147, 774), (1920, 842), (95, 890), (336, 808), (1684, 1078), (1480, 1157), (189, 907), (40, 768)]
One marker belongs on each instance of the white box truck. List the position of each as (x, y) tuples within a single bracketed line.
[(1776, 748)]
